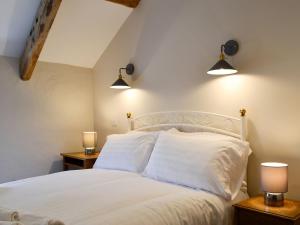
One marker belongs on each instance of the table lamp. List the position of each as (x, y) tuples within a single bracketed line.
[(274, 182), (89, 140)]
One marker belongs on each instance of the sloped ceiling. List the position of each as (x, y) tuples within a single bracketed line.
[(80, 33), (16, 18), (82, 30)]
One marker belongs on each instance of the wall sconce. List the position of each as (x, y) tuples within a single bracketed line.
[(274, 182), (222, 67), (120, 83)]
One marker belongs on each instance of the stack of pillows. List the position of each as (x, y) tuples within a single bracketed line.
[(204, 161)]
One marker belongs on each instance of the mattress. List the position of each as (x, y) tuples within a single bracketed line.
[(110, 197)]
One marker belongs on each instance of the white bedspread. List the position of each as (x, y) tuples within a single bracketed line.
[(106, 197)]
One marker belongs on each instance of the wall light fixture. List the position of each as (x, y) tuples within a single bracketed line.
[(120, 83), (222, 67)]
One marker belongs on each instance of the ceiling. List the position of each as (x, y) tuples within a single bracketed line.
[(79, 35), (82, 30)]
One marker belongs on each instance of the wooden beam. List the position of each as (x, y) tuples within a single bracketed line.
[(128, 3), (37, 36)]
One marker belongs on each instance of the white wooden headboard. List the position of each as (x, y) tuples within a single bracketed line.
[(191, 121)]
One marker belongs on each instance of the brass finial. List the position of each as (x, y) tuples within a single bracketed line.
[(243, 112), (128, 115)]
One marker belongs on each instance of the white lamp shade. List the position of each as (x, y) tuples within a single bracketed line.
[(274, 177), (89, 140)]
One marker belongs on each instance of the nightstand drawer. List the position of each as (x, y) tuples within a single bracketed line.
[(246, 217), (75, 162)]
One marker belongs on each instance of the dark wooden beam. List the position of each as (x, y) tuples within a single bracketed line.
[(37, 36), (128, 3)]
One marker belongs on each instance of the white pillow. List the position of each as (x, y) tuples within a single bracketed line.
[(130, 152), (212, 162)]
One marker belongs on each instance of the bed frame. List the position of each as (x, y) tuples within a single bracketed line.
[(191, 121)]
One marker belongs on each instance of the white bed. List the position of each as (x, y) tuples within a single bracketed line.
[(107, 197), (112, 197)]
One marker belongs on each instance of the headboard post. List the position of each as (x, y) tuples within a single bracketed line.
[(243, 124), (130, 121)]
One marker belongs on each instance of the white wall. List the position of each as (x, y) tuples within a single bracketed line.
[(42, 117), (16, 18), (173, 43)]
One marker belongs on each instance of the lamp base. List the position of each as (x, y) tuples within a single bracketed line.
[(274, 199), (89, 151)]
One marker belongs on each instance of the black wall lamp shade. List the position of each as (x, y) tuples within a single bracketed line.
[(222, 67), (120, 83)]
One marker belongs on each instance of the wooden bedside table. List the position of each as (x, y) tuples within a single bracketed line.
[(78, 160), (254, 212)]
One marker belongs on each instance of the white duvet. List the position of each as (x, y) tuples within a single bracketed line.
[(107, 197)]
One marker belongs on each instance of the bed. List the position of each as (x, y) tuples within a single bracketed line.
[(111, 197)]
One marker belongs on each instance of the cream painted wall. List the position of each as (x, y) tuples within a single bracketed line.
[(42, 117), (173, 43)]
